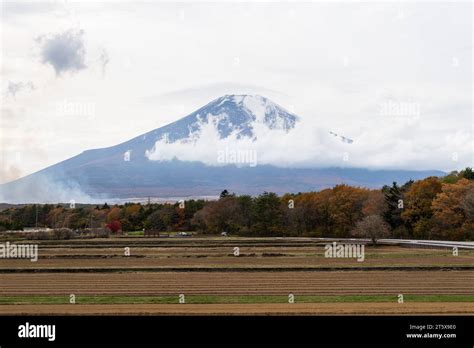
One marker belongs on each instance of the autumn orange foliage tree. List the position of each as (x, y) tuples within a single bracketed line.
[(451, 219), (417, 212)]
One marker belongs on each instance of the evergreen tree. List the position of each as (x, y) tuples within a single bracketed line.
[(467, 173), (394, 200)]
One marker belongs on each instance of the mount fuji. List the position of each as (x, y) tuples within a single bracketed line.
[(131, 169)]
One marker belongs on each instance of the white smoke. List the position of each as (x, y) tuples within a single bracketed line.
[(44, 189)]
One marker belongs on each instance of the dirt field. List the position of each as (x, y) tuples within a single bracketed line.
[(455, 308), (214, 253), (240, 283), (207, 267)]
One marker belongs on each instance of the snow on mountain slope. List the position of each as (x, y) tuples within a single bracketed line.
[(233, 114)]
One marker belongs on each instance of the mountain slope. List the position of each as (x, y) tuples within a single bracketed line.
[(125, 171)]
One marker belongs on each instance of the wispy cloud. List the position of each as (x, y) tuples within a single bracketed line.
[(15, 87), (103, 60)]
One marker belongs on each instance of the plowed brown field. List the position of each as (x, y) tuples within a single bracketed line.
[(446, 308), (210, 254), (240, 283)]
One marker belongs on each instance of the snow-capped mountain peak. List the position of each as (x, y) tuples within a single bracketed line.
[(232, 114)]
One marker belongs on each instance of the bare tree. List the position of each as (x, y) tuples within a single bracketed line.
[(373, 227), (467, 204)]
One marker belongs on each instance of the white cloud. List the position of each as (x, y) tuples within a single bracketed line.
[(65, 51), (398, 144)]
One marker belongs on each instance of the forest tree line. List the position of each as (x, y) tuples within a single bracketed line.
[(432, 208)]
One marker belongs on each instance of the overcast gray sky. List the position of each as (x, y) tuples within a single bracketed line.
[(396, 77)]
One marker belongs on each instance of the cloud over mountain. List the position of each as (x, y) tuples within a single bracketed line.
[(255, 127)]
